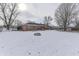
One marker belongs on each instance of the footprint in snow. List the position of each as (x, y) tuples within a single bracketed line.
[(29, 53), (2, 47)]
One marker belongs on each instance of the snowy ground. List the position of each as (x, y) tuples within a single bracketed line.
[(48, 44)]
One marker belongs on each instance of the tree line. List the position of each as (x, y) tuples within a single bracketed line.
[(65, 14)]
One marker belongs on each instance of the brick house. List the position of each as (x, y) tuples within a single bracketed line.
[(33, 26)]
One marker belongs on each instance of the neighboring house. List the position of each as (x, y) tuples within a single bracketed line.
[(33, 26)]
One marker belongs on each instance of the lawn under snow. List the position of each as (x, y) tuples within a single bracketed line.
[(49, 43)]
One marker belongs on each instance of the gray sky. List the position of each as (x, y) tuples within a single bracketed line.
[(42, 9), (36, 11)]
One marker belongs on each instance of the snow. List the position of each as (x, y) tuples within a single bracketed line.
[(50, 43)]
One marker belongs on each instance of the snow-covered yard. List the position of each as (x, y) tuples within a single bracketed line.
[(48, 44)]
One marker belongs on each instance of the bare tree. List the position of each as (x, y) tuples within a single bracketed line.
[(65, 13), (17, 23), (76, 22), (8, 13), (47, 20)]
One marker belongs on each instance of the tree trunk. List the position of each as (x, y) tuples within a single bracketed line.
[(8, 27), (64, 29)]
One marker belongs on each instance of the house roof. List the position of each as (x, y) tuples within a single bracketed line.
[(35, 23)]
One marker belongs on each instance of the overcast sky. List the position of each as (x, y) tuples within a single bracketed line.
[(36, 11)]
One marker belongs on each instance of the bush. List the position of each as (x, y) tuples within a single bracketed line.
[(37, 34)]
